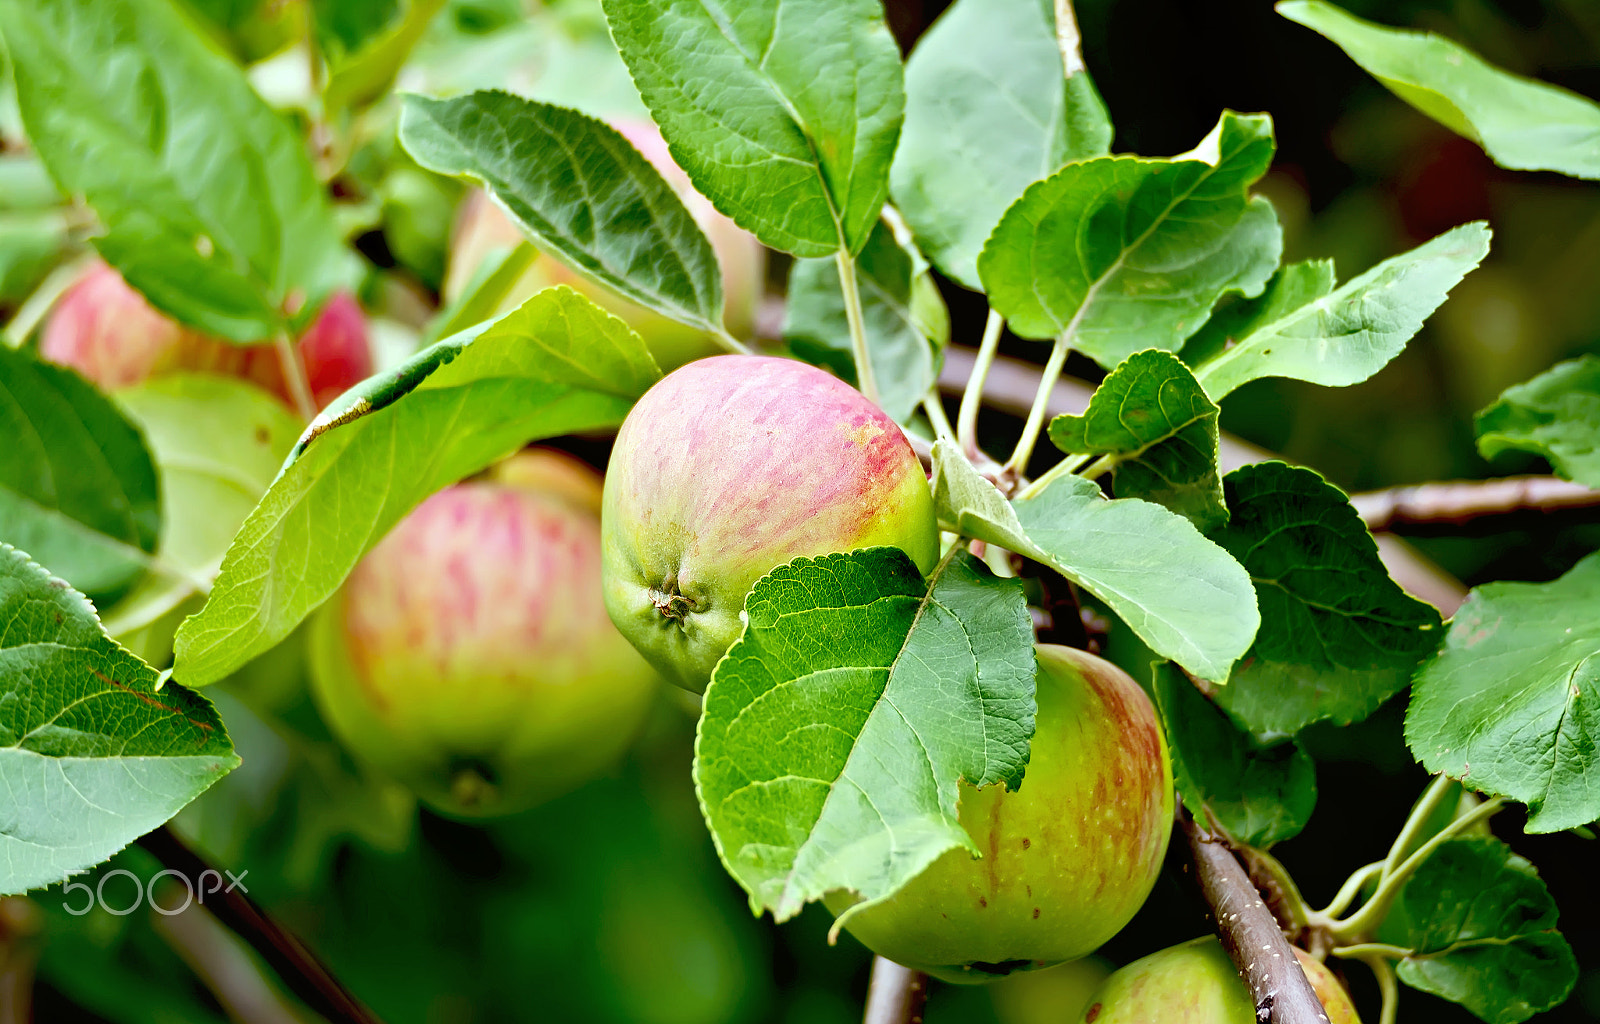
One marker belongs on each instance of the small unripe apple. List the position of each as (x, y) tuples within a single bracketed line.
[(1067, 858), (1195, 982), (482, 226), (469, 655), (105, 330), (730, 467)]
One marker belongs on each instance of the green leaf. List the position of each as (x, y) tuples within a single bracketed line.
[(1152, 419), (371, 48), (580, 191), (217, 443), (1260, 794), (210, 205), (1523, 124), (1293, 286), (872, 694), (1556, 415), (1186, 598), (77, 486), (1511, 702), (990, 109), (906, 322), (1344, 338), (1131, 253), (93, 751), (1482, 930), (1338, 636), (556, 365), (784, 113)]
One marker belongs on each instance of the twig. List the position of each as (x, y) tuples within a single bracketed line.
[(896, 995), (302, 973), (294, 374), (1250, 934), (219, 960), (1460, 501)]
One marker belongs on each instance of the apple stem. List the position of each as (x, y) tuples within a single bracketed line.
[(858, 331), (972, 397), (294, 374), (1358, 926), (1018, 463), (1383, 970), (896, 995), (1251, 935), (302, 972), (934, 407)]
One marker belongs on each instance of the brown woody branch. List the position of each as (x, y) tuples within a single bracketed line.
[(896, 995), (299, 968), (1461, 501), (1278, 986)]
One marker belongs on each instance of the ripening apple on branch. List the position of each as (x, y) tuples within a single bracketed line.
[(469, 655), (1067, 858), (730, 467), (108, 332)]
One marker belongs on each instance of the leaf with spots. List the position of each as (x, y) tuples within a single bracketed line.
[(77, 485), (556, 365), (1511, 702), (1156, 431), (837, 727), (784, 113), (210, 204), (93, 751), (1338, 636), (1480, 930)]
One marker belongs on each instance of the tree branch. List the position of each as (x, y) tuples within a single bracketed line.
[(1250, 934), (302, 973), (1460, 501), (896, 995)]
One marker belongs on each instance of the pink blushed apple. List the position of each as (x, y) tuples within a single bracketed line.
[(730, 467), (1195, 982), (469, 655), (1067, 858), (105, 330)]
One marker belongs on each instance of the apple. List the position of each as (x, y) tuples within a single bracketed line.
[(1197, 983), (1067, 858), (482, 227), (105, 330), (469, 655), (730, 467)]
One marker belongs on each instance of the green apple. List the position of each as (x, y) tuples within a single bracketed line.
[(469, 655), (730, 467), (1067, 858), (1195, 982), (482, 227)]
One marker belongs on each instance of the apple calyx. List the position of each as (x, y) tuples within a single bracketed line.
[(672, 603)]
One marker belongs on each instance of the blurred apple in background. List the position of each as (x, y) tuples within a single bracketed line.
[(105, 330), (482, 227), (469, 655)]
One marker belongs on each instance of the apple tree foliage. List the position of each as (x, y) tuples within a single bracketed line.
[(986, 156)]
